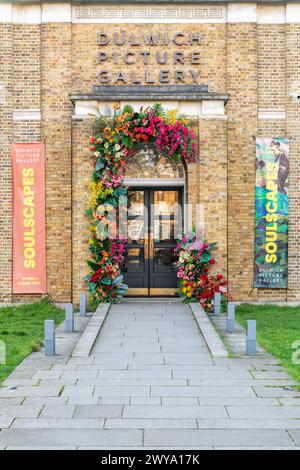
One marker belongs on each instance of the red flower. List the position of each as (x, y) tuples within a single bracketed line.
[(211, 261), (96, 275), (219, 277)]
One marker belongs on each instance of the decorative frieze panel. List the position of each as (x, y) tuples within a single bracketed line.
[(149, 14)]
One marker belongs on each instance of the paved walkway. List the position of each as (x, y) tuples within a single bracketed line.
[(150, 382)]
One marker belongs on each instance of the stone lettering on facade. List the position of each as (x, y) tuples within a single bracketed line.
[(151, 41)]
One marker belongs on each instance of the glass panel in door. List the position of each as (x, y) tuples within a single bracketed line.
[(165, 228), (135, 269)]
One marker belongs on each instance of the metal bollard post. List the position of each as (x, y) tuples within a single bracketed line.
[(49, 338), (69, 318), (230, 317), (217, 304), (251, 338), (82, 308)]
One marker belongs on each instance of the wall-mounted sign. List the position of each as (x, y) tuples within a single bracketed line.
[(271, 212), (137, 58), (29, 250)]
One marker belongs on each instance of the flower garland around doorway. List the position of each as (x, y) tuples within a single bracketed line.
[(112, 141)]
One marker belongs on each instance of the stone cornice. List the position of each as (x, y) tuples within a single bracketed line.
[(158, 2), (151, 92)]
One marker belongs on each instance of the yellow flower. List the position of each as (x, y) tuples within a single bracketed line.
[(116, 106), (95, 190), (172, 116)]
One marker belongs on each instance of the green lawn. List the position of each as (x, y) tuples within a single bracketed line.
[(277, 329), (22, 330)]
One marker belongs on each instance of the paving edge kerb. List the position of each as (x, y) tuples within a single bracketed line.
[(90, 334), (212, 338)]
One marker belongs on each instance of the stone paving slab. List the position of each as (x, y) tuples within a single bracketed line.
[(10, 401), (57, 423), (276, 375), (60, 411), (21, 411), (277, 392), (20, 382), (289, 401), (41, 401), (204, 391), (256, 423), (295, 435), (78, 437), (126, 390), (82, 400), (166, 424), (5, 421), (173, 412), (234, 438), (50, 391), (99, 411), (241, 382), (41, 448), (238, 401), (132, 382), (264, 412)]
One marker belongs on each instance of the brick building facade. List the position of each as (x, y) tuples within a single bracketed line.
[(248, 57)]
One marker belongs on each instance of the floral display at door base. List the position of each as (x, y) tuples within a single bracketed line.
[(194, 260), (112, 141)]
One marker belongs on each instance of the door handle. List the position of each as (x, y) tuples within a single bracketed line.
[(151, 247), (146, 248)]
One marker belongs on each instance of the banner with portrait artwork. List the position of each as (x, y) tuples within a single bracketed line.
[(271, 212)]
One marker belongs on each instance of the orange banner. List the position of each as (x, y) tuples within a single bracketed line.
[(29, 245)]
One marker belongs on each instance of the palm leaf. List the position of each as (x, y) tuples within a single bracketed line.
[(159, 110)]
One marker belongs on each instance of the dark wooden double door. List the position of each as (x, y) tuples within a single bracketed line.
[(155, 222)]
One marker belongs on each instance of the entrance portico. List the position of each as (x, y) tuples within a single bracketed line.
[(164, 196)]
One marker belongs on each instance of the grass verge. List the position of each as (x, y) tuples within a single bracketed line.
[(277, 330), (22, 331)]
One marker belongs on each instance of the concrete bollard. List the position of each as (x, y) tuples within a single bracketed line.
[(69, 318), (251, 338), (82, 308), (230, 317), (49, 337), (217, 304)]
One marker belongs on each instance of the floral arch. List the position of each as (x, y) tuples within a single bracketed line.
[(116, 142)]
